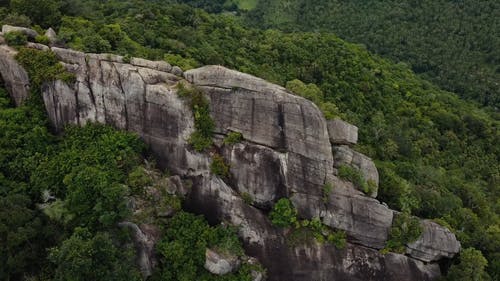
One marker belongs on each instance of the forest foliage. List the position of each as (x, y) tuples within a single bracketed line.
[(437, 154), (454, 44)]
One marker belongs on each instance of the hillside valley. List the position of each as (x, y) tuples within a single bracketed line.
[(153, 140)]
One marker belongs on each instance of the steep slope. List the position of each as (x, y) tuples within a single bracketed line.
[(454, 44), (281, 132)]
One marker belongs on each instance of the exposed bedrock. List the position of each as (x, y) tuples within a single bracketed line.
[(286, 152), (15, 78)]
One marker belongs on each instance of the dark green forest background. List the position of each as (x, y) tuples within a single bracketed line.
[(437, 151)]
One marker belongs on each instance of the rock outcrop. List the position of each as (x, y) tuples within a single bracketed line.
[(286, 151), (145, 238), (342, 133), (30, 33), (51, 35), (344, 155), (15, 78), (220, 264), (435, 243)]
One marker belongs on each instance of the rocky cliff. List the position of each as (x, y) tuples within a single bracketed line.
[(288, 150)]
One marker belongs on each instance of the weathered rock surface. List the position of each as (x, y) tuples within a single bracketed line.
[(145, 238), (52, 35), (342, 132), (26, 31), (218, 201), (344, 155), (435, 243), (220, 264), (14, 76), (364, 219), (286, 152)]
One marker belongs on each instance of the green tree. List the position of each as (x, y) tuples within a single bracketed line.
[(470, 268), (24, 234), (43, 12), (85, 256), (94, 199), (284, 213)]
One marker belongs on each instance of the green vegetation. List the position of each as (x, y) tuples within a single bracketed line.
[(405, 229), (182, 249), (303, 232), (247, 198), (201, 139), (90, 171), (233, 138), (284, 213), (354, 175), (16, 38), (42, 39), (219, 167), (471, 267), (313, 93), (456, 56), (85, 169), (42, 66), (87, 256), (327, 189), (246, 5)]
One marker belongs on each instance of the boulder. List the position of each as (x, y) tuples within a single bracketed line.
[(435, 243), (37, 46), (52, 35), (220, 264), (157, 65), (344, 155), (342, 132), (177, 71), (26, 31)]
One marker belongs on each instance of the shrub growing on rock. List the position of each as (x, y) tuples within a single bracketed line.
[(354, 175), (201, 139), (219, 167), (16, 38), (405, 229), (233, 138), (284, 213)]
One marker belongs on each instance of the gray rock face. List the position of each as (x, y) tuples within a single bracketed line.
[(363, 218), (28, 32), (307, 262), (342, 132), (435, 243), (157, 65), (14, 76), (139, 99), (286, 152), (145, 239), (220, 264), (269, 116), (343, 155), (257, 172), (37, 46)]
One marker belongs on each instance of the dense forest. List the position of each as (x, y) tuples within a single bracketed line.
[(438, 155), (454, 44)]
